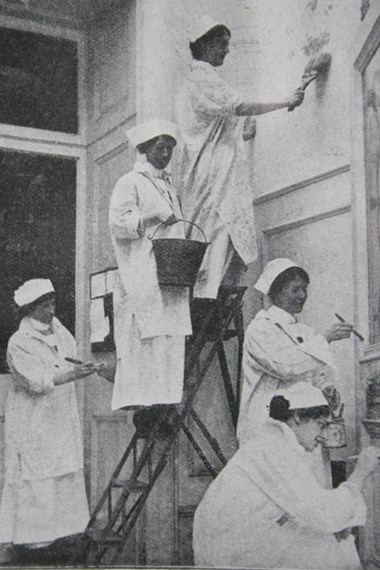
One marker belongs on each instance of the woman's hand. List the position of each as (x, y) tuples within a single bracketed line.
[(107, 371), (171, 220), (338, 331), (368, 460), (332, 396), (296, 99), (343, 534), (158, 216), (249, 128), (79, 371), (83, 370)]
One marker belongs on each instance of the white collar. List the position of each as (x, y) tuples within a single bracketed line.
[(281, 316), (202, 65), (146, 167), (41, 327), (288, 433), (36, 328)]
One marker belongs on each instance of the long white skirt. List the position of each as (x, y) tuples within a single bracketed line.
[(221, 264), (40, 511), (149, 371)]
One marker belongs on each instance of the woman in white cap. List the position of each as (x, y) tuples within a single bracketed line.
[(279, 350), (44, 497), (266, 509), (151, 321), (212, 162)]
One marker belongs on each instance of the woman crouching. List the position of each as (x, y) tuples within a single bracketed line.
[(266, 509)]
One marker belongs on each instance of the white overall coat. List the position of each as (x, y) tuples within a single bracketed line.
[(151, 321), (44, 495)]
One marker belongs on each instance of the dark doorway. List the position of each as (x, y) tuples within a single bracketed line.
[(37, 233)]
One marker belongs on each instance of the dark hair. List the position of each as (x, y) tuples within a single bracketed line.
[(26, 310), (279, 410), (197, 47), (145, 146), (285, 277)]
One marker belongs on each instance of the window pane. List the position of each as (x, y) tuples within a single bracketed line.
[(37, 233), (38, 81)]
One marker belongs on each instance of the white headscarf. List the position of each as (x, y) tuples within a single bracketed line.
[(32, 290), (202, 26), (303, 395), (271, 271), (150, 130)]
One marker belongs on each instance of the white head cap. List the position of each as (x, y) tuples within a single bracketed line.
[(271, 271), (32, 290), (303, 395), (150, 130), (202, 26)]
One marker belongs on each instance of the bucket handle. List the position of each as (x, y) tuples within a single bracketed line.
[(176, 222)]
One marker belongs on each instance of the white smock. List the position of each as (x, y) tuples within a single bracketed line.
[(267, 510), (44, 495), (279, 351), (151, 321), (213, 174)]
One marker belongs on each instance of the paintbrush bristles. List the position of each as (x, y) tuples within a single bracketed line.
[(318, 64)]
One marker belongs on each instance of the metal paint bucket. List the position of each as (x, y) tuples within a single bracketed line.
[(178, 260), (334, 434)]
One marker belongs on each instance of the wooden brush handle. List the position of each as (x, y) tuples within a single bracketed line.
[(305, 81)]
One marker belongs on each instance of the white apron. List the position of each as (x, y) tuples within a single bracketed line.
[(151, 322)]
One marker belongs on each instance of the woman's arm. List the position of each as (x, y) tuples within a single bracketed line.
[(285, 477), (36, 376), (78, 372), (125, 216), (268, 348), (254, 108)]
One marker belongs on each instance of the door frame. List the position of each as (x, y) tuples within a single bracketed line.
[(65, 145)]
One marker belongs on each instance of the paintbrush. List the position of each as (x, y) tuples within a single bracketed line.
[(315, 68), (355, 332)]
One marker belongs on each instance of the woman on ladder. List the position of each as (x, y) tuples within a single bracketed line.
[(151, 321)]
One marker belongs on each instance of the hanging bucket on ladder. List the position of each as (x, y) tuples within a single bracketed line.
[(178, 260)]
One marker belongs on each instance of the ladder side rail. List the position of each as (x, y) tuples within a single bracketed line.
[(211, 440), (117, 471), (227, 381), (151, 440), (199, 451)]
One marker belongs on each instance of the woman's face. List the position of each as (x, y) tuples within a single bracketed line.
[(309, 432), (160, 151), (216, 50), (44, 311), (292, 296)]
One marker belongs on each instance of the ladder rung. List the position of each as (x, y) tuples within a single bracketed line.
[(99, 537), (131, 485)]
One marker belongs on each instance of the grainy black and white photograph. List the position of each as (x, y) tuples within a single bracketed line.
[(190, 284)]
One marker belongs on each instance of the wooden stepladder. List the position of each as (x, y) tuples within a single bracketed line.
[(122, 502)]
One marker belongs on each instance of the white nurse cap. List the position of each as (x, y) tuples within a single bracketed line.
[(150, 130), (271, 271), (202, 26), (303, 395), (32, 290)]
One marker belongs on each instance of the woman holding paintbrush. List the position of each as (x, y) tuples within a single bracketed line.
[(44, 497), (280, 351), (212, 161)]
